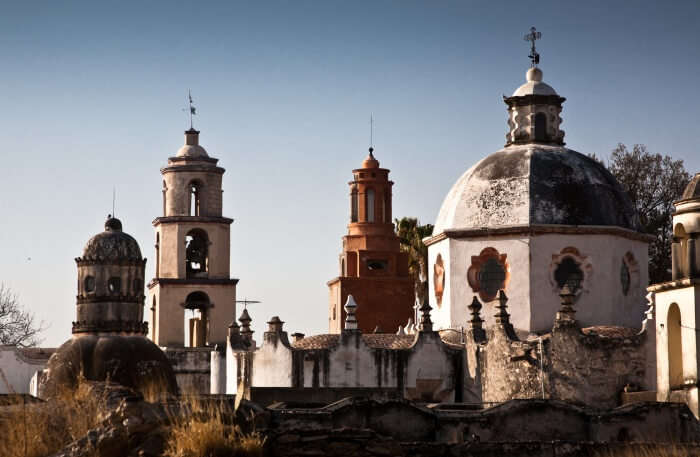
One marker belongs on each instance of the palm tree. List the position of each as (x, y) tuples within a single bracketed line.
[(411, 235)]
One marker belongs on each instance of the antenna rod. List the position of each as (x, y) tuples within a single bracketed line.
[(371, 130), (114, 197)]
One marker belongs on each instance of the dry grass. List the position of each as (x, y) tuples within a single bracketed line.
[(208, 430), (40, 429), (650, 450)]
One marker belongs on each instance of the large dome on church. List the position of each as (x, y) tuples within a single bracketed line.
[(536, 184)]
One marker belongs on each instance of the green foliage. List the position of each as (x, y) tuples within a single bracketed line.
[(653, 182), (411, 235)]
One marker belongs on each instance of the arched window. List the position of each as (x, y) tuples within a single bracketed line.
[(540, 127), (342, 267), (157, 255), (675, 347), (195, 198), (165, 189), (369, 205), (382, 210), (679, 253), (196, 254), (387, 206), (353, 205)]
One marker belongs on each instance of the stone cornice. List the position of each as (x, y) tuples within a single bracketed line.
[(82, 299), (192, 167), (533, 99), (539, 229), (193, 281), (113, 326), (368, 278), (192, 219), (677, 284)]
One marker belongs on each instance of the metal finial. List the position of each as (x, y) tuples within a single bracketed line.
[(531, 37), (193, 109), (350, 318), (371, 132)]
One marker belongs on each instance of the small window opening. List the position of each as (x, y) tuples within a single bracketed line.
[(540, 127), (675, 347), (89, 284), (114, 285), (195, 196), (196, 254), (625, 278), (375, 264), (569, 272), (138, 286), (491, 276)]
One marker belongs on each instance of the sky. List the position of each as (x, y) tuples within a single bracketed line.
[(93, 96)]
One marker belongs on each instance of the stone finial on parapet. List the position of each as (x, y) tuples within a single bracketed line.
[(400, 331), (350, 310), (235, 339), (245, 325), (410, 327), (274, 324), (502, 316), (476, 321), (566, 311), (426, 325), (297, 336)]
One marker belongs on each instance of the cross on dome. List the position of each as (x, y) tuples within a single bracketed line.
[(531, 37)]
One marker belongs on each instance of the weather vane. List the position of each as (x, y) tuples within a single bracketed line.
[(193, 110), (531, 37), (247, 302), (371, 131)]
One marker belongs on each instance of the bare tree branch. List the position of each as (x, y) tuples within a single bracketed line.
[(17, 326)]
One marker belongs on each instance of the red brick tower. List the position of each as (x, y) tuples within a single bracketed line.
[(372, 268)]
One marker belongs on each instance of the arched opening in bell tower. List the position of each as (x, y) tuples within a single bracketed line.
[(353, 205), (540, 127), (197, 305), (195, 198), (197, 254), (369, 205), (679, 252), (675, 347)]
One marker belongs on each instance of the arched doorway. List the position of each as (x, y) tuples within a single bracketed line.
[(540, 127), (675, 347)]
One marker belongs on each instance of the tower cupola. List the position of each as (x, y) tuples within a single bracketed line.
[(685, 250)]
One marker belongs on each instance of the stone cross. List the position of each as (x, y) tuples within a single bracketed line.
[(531, 37)]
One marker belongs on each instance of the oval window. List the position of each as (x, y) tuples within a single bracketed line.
[(491, 276), (89, 284), (569, 272)]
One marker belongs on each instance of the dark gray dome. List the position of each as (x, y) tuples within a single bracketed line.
[(536, 184), (112, 244), (132, 361), (692, 190)]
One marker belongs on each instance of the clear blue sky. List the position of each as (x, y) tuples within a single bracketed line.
[(92, 96)]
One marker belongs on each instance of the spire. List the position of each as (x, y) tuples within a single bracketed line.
[(350, 309)]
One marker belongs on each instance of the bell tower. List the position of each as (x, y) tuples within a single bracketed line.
[(192, 242), (372, 267)]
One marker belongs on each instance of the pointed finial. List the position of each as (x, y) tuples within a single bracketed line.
[(426, 325), (502, 316), (475, 309), (400, 331), (245, 324), (371, 133), (192, 109), (275, 324), (531, 37), (350, 309)]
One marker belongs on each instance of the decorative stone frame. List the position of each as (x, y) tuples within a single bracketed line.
[(633, 268), (439, 279), (478, 261), (583, 262)]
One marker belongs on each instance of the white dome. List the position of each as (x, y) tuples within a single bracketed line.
[(194, 151), (535, 184), (534, 85)]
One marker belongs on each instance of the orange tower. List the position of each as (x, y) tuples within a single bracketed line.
[(372, 268)]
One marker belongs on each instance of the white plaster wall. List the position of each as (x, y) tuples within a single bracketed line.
[(353, 364), (602, 301), (517, 290), (17, 371), (430, 361), (688, 301), (218, 372), (231, 370), (440, 314), (272, 365)]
